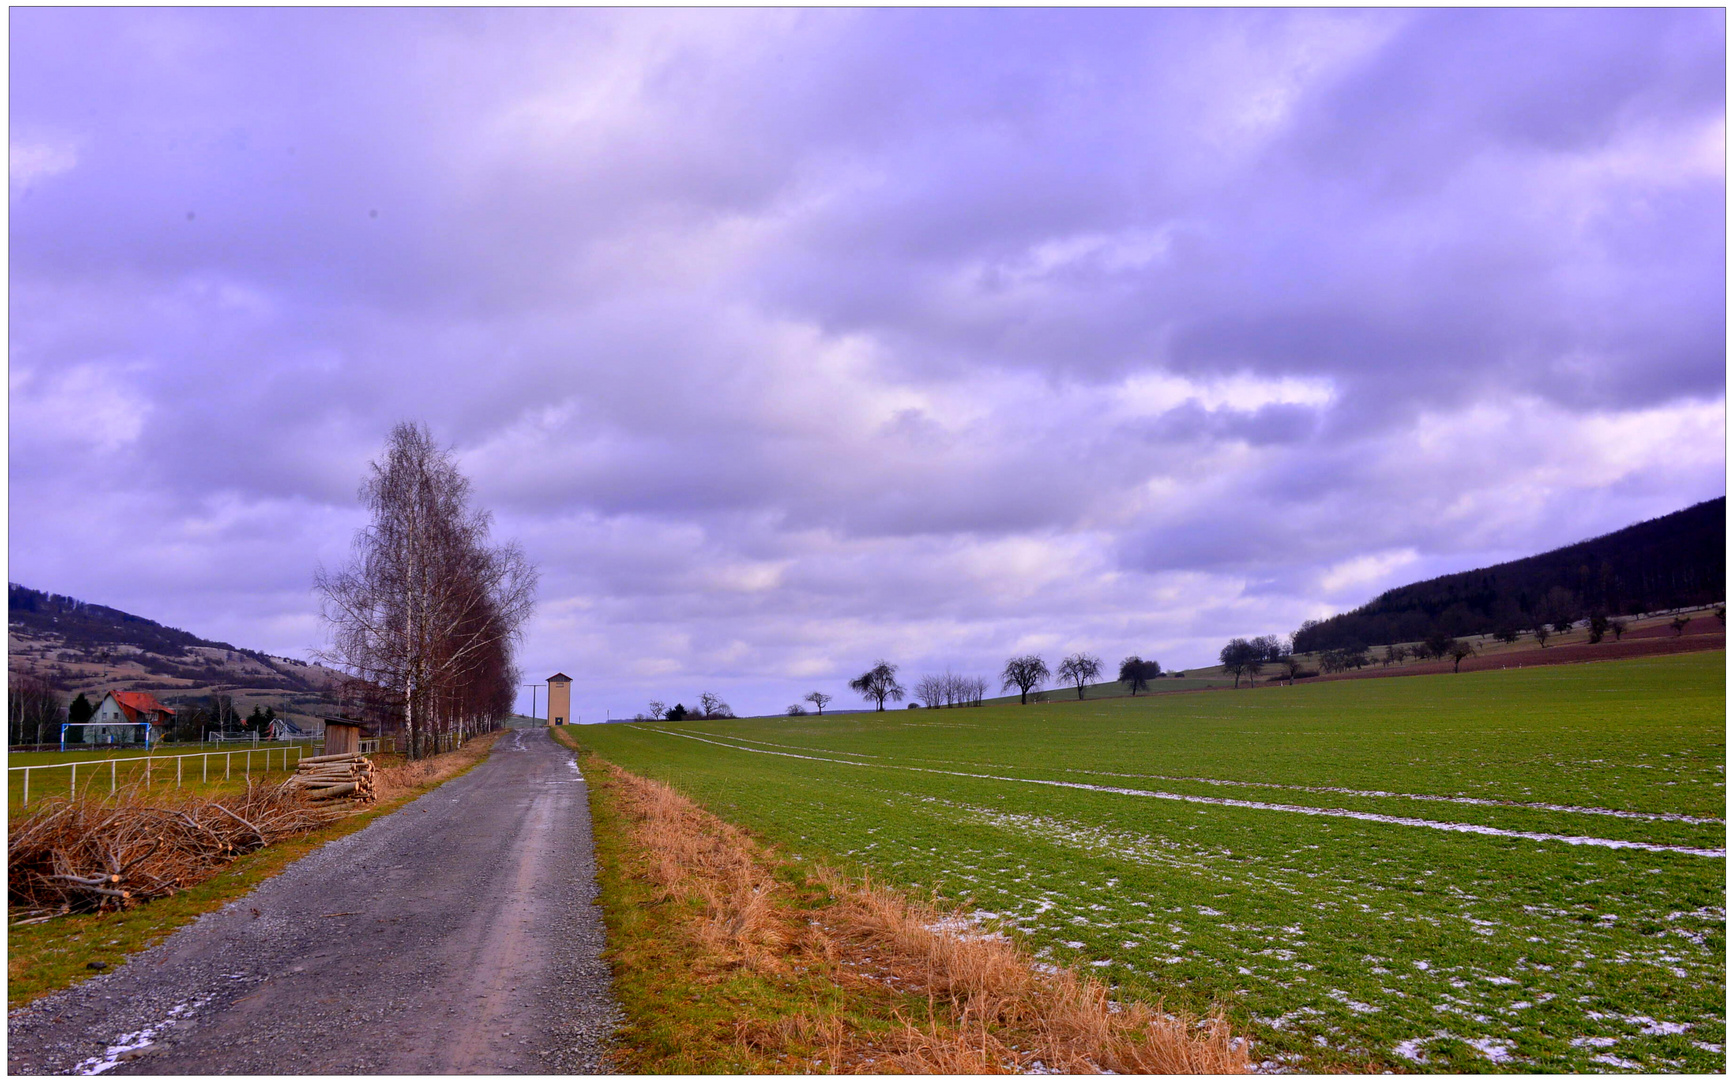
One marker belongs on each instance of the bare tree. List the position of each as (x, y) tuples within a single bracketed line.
[(428, 612), (33, 710), (713, 707), (1679, 623), (1025, 673), (1459, 650), (657, 709), (1618, 627), (1290, 664), (1136, 672), (878, 683), (818, 700), (974, 689), (795, 710), (1541, 633), (1080, 669), (932, 691), (1241, 657)]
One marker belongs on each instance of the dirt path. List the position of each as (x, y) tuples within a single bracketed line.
[(457, 935)]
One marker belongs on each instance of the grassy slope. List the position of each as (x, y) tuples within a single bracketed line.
[(1363, 934), (129, 768), (46, 957)]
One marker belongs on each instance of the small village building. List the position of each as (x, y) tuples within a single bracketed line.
[(284, 728), (119, 718), (559, 699), (342, 736)]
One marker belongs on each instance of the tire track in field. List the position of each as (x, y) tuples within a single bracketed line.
[(1243, 804), (1461, 800)]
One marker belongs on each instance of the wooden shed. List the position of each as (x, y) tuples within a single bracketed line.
[(342, 736)]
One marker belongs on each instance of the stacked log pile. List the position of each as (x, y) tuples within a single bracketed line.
[(334, 776)]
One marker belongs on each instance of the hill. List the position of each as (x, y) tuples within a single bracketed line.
[(76, 647), (1669, 562)]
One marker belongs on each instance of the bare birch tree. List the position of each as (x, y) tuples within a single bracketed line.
[(428, 612)]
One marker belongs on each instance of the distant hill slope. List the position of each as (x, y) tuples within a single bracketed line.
[(75, 646), (1679, 560)]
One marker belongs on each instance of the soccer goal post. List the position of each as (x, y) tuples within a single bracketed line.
[(109, 738)]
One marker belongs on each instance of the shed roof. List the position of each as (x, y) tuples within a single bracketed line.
[(559, 678)]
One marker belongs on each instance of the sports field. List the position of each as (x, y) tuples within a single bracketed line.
[(1499, 871), (33, 777)]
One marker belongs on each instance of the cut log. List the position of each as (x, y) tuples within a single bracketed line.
[(329, 757), (330, 792)]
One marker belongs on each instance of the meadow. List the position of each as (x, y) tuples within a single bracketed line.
[(1517, 870), (195, 768)]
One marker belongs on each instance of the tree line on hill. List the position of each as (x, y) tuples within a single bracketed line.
[(1248, 657), (1670, 562), (878, 684), (93, 633)]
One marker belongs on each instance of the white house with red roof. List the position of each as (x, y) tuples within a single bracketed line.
[(125, 710)]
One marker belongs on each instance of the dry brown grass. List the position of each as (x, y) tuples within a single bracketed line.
[(989, 1009), (392, 781)]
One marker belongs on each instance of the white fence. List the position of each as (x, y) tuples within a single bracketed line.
[(160, 762)]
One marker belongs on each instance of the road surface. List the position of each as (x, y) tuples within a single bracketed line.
[(459, 934)]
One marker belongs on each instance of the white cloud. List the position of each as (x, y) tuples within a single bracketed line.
[(31, 162), (1358, 573)]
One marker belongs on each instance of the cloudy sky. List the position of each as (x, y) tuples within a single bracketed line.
[(784, 341)]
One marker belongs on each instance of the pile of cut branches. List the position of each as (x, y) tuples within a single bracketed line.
[(88, 854)]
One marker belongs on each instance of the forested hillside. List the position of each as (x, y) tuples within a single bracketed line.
[(1674, 561), (71, 647)]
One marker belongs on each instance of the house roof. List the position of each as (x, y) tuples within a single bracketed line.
[(560, 678), (134, 702)]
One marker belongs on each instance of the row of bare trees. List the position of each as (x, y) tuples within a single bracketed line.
[(33, 711), (426, 616), (950, 690)]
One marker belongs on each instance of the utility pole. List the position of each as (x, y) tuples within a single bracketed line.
[(533, 686)]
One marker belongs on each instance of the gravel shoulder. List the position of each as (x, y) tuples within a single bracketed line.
[(459, 934)]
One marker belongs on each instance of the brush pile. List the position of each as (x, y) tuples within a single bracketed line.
[(334, 776), (88, 854)]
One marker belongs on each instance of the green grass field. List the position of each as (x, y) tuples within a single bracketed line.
[(100, 771), (1515, 870)]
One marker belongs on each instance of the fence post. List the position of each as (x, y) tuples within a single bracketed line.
[(26, 787), (228, 764), (75, 779), (178, 764), (113, 775)]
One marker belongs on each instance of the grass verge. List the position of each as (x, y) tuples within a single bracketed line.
[(730, 957), (51, 956)]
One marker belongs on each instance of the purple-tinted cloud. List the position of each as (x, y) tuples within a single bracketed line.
[(790, 339)]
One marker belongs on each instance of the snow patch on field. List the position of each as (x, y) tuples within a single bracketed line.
[(1243, 804)]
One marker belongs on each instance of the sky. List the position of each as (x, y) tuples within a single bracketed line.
[(785, 341)]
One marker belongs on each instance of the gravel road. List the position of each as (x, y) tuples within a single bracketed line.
[(459, 934)]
